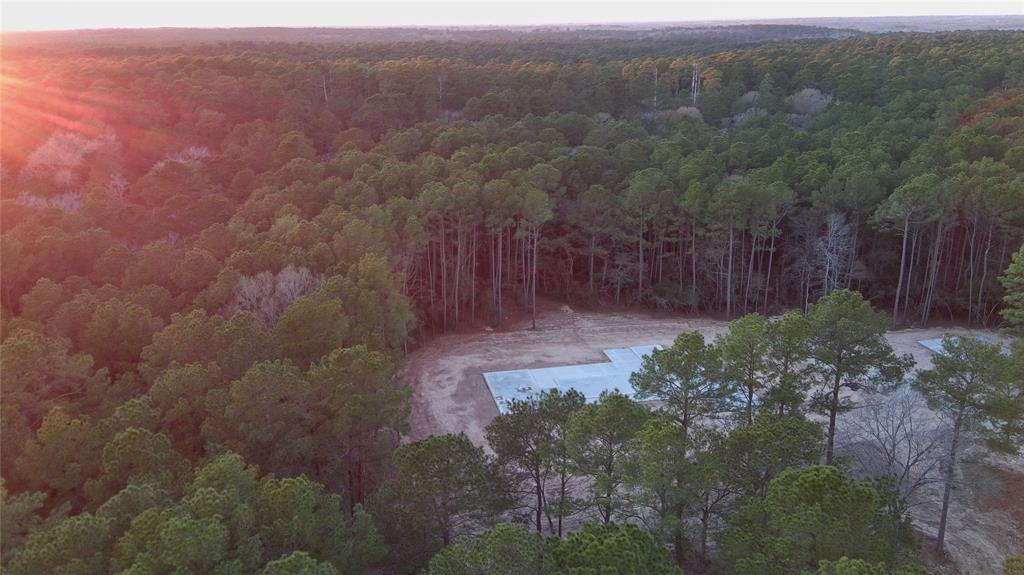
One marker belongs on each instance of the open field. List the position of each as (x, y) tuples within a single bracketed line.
[(450, 395)]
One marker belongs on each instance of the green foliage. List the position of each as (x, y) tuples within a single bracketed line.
[(60, 457), (807, 516), (687, 376), (848, 347), (42, 301), (271, 416), (369, 410), (980, 388), (298, 563), (446, 487), (847, 566), (380, 316), (598, 441), (234, 344), (754, 455), (130, 502), (41, 373), (1013, 283), (75, 545), (310, 329), (666, 473), (231, 521), (920, 200), (611, 549), (626, 550), (117, 332), (179, 393), (1014, 565), (530, 442), (291, 146), (137, 456), (20, 517), (296, 514), (743, 351), (789, 374), (195, 269), (503, 550)]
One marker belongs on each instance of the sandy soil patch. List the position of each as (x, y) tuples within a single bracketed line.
[(450, 396), (446, 375)]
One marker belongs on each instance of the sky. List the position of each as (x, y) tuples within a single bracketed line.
[(21, 15)]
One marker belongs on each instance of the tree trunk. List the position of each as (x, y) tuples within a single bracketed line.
[(501, 235), (693, 263), (444, 283), (915, 255), (430, 283), (524, 260), (593, 247), (750, 273), (768, 274), (640, 266), (472, 283), (705, 518), (855, 225), (750, 405), (833, 408), (494, 273), (458, 269), (728, 278), (899, 284), (933, 274), (984, 274), (947, 490), (680, 263), (533, 283), (564, 481), (678, 541), (540, 499), (970, 279)]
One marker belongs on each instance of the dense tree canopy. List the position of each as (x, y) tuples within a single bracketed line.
[(215, 257)]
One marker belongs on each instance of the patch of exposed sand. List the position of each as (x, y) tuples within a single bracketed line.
[(446, 375), (450, 396)]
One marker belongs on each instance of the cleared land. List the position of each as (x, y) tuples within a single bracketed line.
[(450, 396)]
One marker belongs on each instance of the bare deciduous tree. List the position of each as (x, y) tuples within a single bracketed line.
[(117, 186), (833, 252), (292, 283), (267, 295), (68, 202), (64, 151), (188, 155), (898, 437)]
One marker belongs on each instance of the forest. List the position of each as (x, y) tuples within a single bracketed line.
[(216, 255)]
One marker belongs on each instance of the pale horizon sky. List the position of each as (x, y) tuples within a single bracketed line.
[(88, 14)]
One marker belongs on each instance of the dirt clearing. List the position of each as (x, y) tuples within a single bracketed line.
[(446, 375), (450, 396)]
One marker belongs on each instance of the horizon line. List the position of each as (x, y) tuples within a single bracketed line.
[(577, 24)]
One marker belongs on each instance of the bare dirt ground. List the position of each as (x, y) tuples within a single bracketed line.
[(986, 517), (450, 396)]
